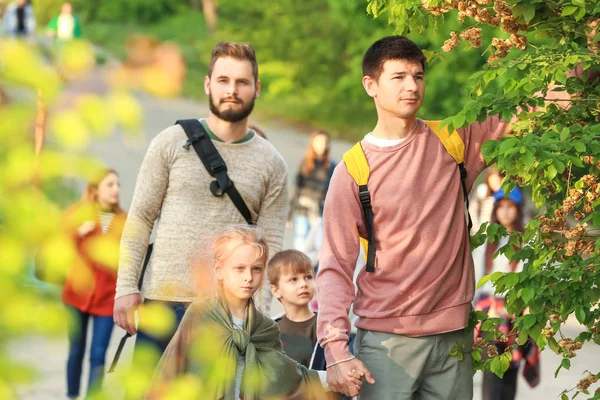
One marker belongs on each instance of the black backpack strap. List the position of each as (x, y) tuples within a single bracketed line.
[(365, 201), (463, 183), (214, 164), (113, 365)]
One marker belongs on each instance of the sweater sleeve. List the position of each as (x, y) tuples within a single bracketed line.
[(342, 221), (150, 190), (271, 219), (474, 136)]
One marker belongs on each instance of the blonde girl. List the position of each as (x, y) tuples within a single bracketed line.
[(248, 361)]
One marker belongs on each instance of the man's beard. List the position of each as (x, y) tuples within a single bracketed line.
[(230, 114)]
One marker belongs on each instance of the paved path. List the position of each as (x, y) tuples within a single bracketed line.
[(49, 355)]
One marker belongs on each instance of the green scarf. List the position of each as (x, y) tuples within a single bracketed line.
[(207, 328)]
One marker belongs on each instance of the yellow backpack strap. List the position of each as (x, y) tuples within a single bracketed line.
[(358, 167), (453, 143), (455, 146)]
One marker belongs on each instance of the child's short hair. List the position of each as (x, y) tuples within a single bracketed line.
[(289, 260)]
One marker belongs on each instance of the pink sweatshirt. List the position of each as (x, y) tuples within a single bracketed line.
[(424, 281)]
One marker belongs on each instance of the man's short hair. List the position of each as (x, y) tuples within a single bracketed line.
[(237, 50), (390, 48), (288, 261)]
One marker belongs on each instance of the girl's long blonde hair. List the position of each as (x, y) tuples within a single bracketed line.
[(231, 238)]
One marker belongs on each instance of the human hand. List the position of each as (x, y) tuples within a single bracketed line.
[(86, 228), (124, 312), (355, 378), (342, 377)]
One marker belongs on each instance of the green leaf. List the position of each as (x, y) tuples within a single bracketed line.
[(489, 76), (511, 279), (551, 172), (541, 341), (496, 275), (459, 120), (553, 344), (527, 294), (507, 144), (480, 315), (578, 3), (565, 363), (526, 10), (580, 314), (580, 14), (476, 354), (564, 396), (564, 135), (485, 279), (557, 371), (529, 320), (579, 146), (523, 337), (499, 365), (528, 159), (568, 10)]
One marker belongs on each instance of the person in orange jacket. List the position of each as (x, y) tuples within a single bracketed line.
[(96, 224)]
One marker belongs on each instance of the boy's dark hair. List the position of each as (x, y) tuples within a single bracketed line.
[(290, 260), (237, 50), (390, 48)]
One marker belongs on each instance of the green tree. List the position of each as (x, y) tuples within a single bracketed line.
[(544, 48)]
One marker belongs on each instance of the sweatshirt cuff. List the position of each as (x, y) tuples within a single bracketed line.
[(337, 352), (126, 292)]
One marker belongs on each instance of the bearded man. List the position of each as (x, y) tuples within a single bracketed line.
[(174, 184)]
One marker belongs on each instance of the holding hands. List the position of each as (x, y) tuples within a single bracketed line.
[(346, 377)]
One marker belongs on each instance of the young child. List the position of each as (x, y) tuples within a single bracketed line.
[(508, 212), (291, 275), (226, 342)]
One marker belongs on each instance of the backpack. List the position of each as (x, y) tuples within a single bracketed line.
[(215, 165), (358, 167)]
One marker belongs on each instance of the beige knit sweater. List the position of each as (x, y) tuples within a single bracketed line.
[(173, 182)]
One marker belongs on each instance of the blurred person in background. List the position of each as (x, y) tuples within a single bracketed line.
[(480, 209), (65, 26), (508, 212), (96, 225), (258, 131), (19, 19), (312, 182)]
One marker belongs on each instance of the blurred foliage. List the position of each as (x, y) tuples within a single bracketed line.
[(114, 11), (35, 190), (45, 10), (35, 232)]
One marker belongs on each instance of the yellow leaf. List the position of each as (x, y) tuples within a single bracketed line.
[(6, 392), (104, 250), (70, 129), (76, 59), (12, 256), (57, 255), (156, 319), (159, 82), (20, 165), (127, 111), (94, 111)]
